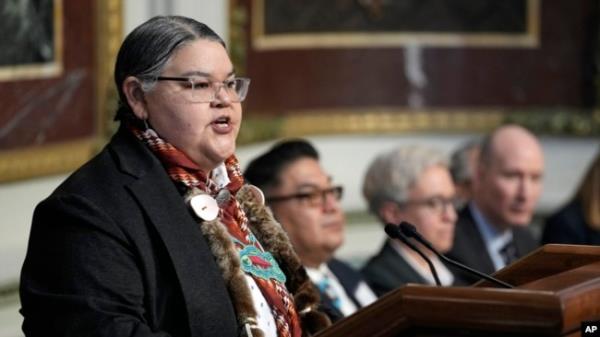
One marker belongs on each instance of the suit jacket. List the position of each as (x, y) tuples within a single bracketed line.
[(568, 225), (388, 270), (350, 280), (114, 252), (469, 247)]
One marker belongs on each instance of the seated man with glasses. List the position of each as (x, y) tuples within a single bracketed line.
[(413, 184), (305, 202)]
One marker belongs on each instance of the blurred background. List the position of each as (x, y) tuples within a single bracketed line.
[(356, 77)]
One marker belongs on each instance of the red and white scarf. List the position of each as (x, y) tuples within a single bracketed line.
[(181, 169)]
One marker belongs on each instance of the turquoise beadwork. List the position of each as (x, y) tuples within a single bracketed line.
[(260, 264)]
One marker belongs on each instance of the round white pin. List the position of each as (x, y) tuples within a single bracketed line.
[(205, 207)]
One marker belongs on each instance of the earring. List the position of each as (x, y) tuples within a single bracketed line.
[(147, 130)]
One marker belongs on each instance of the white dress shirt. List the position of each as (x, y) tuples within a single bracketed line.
[(347, 306), (494, 239)]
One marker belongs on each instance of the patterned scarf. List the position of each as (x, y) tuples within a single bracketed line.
[(182, 169)]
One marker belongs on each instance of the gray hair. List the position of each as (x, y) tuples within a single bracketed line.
[(460, 168), (392, 174), (149, 47)]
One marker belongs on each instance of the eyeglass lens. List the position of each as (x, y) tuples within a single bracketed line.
[(204, 91), (437, 204), (318, 198), (314, 198), (201, 90)]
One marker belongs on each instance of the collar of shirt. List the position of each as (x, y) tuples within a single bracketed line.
[(494, 240), (317, 274), (446, 277)]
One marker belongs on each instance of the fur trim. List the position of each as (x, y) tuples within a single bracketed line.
[(274, 239), (228, 261)]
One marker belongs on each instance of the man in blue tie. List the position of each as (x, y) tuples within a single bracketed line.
[(306, 203), (491, 231)]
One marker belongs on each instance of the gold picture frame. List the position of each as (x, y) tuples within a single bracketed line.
[(307, 40), (393, 120), (268, 58), (39, 158), (53, 67)]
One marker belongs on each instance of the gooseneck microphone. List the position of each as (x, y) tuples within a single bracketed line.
[(410, 231), (394, 232)]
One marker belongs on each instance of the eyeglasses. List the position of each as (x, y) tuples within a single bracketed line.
[(315, 198), (200, 90), (437, 204)]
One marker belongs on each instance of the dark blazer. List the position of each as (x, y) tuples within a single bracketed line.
[(388, 270), (568, 225), (350, 279), (114, 252), (469, 247)]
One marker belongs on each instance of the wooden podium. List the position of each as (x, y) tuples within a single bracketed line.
[(556, 288)]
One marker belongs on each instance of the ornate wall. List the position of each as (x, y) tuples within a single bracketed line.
[(355, 66)]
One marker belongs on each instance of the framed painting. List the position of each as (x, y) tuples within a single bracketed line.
[(347, 66), (373, 24), (34, 48), (55, 72)]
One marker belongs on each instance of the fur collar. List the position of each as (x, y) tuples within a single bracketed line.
[(273, 239)]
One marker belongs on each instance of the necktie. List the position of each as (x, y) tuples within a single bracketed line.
[(509, 252), (325, 287)]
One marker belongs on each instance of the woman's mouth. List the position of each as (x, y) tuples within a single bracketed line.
[(222, 125)]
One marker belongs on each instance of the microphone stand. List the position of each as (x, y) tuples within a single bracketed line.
[(410, 231), (394, 232)]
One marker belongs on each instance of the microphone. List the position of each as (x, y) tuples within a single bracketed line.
[(410, 231), (395, 233)]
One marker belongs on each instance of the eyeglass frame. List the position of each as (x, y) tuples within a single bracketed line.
[(222, 84), (336, 191), (434, 203)]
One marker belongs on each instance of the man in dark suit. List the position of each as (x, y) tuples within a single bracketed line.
[(306, 204), (491, 231), (463, 162)]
